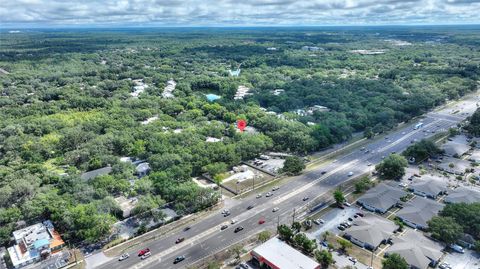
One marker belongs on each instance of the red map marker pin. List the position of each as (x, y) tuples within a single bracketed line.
[(241, 124)]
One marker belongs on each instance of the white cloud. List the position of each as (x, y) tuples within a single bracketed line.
[(236, 12)]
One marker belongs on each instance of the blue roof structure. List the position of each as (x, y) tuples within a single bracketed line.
[(212, 97), (41, 243)]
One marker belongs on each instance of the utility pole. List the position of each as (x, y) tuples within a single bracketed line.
[(293, 217)]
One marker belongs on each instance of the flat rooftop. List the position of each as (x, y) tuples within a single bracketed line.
[(279, 254)]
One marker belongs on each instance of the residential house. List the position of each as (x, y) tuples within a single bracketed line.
[(429, 186), (454, 166), (95, 173), (370, 231), (463, 195), (417, 212), (381, 198), (34, 243), (456, 146), (419, 251)]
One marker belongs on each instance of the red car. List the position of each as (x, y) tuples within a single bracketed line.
[(261, 221), (143, 251)]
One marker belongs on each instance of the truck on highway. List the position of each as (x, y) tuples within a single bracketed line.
[(418, 125)]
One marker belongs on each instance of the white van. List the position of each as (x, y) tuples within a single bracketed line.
[(146, 255)]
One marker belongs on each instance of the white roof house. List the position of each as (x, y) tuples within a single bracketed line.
[(278, 254), (429, 186)]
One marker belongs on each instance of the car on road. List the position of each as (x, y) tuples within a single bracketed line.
[(305, 198), (143, 251), (275, 188), (275, 209), (261, 221), (369, 164), (124, 256), (250, 207), (259, 195), (186, 228), (323, 172), (146, 255), (403, 185), (179, 259), (268, 194), (226, 214), (350, 173), (238, 229), (180, 240), (224, 227), (233, 221)]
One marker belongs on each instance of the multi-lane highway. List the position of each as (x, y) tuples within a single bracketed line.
[(205, 237)]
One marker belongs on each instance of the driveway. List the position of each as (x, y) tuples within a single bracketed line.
[(342, 261), (96, 259)]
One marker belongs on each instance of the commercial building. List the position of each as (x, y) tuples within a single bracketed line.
[(34, 243), (276, 254), (381, 198)]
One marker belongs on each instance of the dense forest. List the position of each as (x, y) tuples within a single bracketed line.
[(67, 106)]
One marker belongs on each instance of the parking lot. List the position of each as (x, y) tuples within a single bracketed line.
[(332, 219), (272, 165), (469, 259)]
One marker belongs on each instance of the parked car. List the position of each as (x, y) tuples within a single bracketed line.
[(124, 256), (457, 248), (341, 228), (143, 251), (244, 266), (180, 240), (223, 227), (352, 259), (444, 266), (179, 259), (319, 221), (146, 255), (238, 229), (275, 209), (346, 204), (360, 214)]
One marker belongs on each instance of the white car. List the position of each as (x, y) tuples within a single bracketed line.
[(259, 195), (275, 209), (233, 221), (268, 194), (124, 257), (350, 174)]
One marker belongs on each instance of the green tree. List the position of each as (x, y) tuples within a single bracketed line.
[(309, 245), (363, 184), (338, 196), (300, 239), (473, 126), (293, 165), (214, 265), (237, 250), (392, 167), (422, 150), (264, 236), (395, 261), (477, 246), (445, 229), (296, 226), (285, 232), (466, 215), (324, 257), (344, 244)]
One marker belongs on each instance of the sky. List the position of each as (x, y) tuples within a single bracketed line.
[(121, 13)]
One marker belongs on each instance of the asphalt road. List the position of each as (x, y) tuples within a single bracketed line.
[(205, 237)]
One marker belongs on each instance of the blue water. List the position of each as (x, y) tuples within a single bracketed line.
[(212, 97)]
